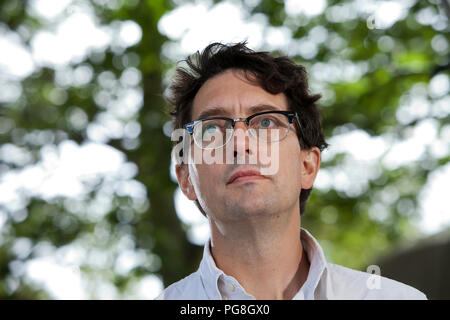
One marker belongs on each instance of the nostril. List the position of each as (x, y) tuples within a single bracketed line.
[(236, 153)]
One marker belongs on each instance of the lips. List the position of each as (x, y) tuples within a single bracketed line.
[(245, 175)]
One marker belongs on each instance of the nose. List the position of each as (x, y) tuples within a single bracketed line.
[(241, 143)]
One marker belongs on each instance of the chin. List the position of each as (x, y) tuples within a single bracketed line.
[(249, 208)]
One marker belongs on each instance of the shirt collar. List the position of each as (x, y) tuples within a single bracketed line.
[(211, 275), (317, 266)]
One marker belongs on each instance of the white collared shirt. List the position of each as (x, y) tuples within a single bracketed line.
[(325, 281)]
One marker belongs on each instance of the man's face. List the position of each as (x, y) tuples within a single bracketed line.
[(247, 197)]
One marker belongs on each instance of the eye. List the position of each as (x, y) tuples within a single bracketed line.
[(210, 128), (267, 122)]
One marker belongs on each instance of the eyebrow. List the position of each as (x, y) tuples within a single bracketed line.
[(220, 111), (214, 111)]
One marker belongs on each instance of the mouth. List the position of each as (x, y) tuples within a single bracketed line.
[(245, 175)]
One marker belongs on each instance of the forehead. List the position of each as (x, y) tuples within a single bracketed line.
[(233, 92)]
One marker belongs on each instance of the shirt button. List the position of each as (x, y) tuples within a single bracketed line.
[(231, 286)]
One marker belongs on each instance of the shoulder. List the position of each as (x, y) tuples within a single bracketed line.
[(188, 288), (353, 284)]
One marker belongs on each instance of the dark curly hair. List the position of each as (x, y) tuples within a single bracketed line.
[(273, 74)]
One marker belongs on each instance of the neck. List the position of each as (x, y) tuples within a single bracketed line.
[(266, 257)]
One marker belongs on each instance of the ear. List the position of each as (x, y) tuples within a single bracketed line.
[(310, 163), (184, 181)]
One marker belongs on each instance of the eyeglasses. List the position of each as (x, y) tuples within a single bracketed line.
[(215, 132)]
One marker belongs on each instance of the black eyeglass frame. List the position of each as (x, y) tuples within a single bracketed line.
[(289, 114)]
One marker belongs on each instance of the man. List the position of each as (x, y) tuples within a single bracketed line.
[(257, 248)]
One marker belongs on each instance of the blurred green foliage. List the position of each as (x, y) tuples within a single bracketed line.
[(348, 233)]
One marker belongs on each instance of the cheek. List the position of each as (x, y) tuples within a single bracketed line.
[(206, 178), (290, 164)]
